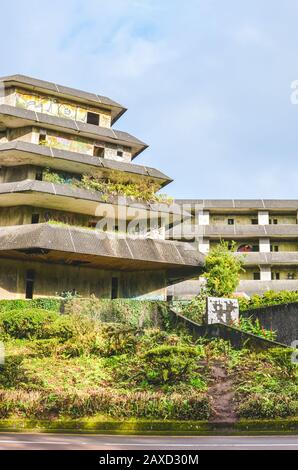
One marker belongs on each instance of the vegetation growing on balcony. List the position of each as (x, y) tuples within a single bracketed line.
[(144, 190)]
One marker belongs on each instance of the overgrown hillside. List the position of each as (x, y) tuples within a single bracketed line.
[(74, 364)]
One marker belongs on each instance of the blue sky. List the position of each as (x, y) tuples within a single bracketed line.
[(207, 83)]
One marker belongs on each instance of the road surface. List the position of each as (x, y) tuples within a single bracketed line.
[(30, 441)]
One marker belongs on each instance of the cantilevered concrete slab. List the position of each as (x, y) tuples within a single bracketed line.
[(281, 205), (73, 245), (13, 117), (245, 231), (35, 85), (82, 201), (24, 153)]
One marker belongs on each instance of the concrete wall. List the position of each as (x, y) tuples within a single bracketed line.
[(237, 338), (281, 318), (51, 279), (68, 142), (56, 107)]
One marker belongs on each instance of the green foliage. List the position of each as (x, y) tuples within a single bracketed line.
[(133, 313), (196, 308), (222, 270), (266, 383), (169, 364), (12, 373), (267, 299), (45, 303), (27, 323), (144, 190), (250, 325)]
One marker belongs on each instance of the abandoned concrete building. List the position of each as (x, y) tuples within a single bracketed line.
[(57, 147), (266, 231)]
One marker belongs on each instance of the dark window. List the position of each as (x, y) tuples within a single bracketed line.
[(255, 248), (99, 151), (114, 288), (34, 218), (38, 175), (92, 223), (230, 221), (276, 276), (254, 221), (30, 275), (42, 137), (119, 153), (256, 276), (274, 248), (273, 221), (93, 118)]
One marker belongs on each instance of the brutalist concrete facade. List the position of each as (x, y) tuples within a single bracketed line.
[(49, 236), (265, 231)]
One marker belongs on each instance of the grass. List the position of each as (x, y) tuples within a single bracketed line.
[(74, 366)]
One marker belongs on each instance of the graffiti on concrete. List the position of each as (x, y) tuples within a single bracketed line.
[(221, 310)]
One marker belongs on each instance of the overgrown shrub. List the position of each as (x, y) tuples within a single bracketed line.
[(27, 323), (267, 299), (268, 406), (135, 313), (250, 325), (169, 364), (45, 303)]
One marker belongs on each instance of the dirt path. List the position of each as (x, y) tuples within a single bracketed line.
[(222, 395)]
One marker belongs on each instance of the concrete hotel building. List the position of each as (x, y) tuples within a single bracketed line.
[(265, 230), (47, 239)]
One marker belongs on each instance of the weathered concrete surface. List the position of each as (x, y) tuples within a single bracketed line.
[(280, 318)]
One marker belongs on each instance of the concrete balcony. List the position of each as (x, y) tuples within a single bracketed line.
[(237, 232), (242, 205), (12, 117), (186, 290), (77, 246), (81, 201), (18, 153), (281, 258)]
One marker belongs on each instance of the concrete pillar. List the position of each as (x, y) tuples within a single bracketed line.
[(264, 245), (265, 273), (203, 217), (263, 218), (204, 245)]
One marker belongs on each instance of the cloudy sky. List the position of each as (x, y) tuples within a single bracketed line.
[(206, 82)]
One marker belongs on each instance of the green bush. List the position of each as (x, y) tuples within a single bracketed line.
[(135, 313), (12, 373), (267, 299), (268, 406), (169, 364), (27, 323), (20, 304), (250, 325)]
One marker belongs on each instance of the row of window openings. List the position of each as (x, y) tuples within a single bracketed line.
[(275, 276), (254, 221), (98, 150), (30, 278), (256, 248)]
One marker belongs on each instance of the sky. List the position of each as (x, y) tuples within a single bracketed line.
[(207, 83)]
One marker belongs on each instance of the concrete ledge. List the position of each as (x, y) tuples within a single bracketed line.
[(106, 425)]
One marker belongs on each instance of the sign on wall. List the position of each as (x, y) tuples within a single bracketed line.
[(221, 310)]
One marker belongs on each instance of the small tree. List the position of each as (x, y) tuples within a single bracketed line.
[(222, 270)]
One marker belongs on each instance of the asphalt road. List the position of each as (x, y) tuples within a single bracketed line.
[(14, 441)]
